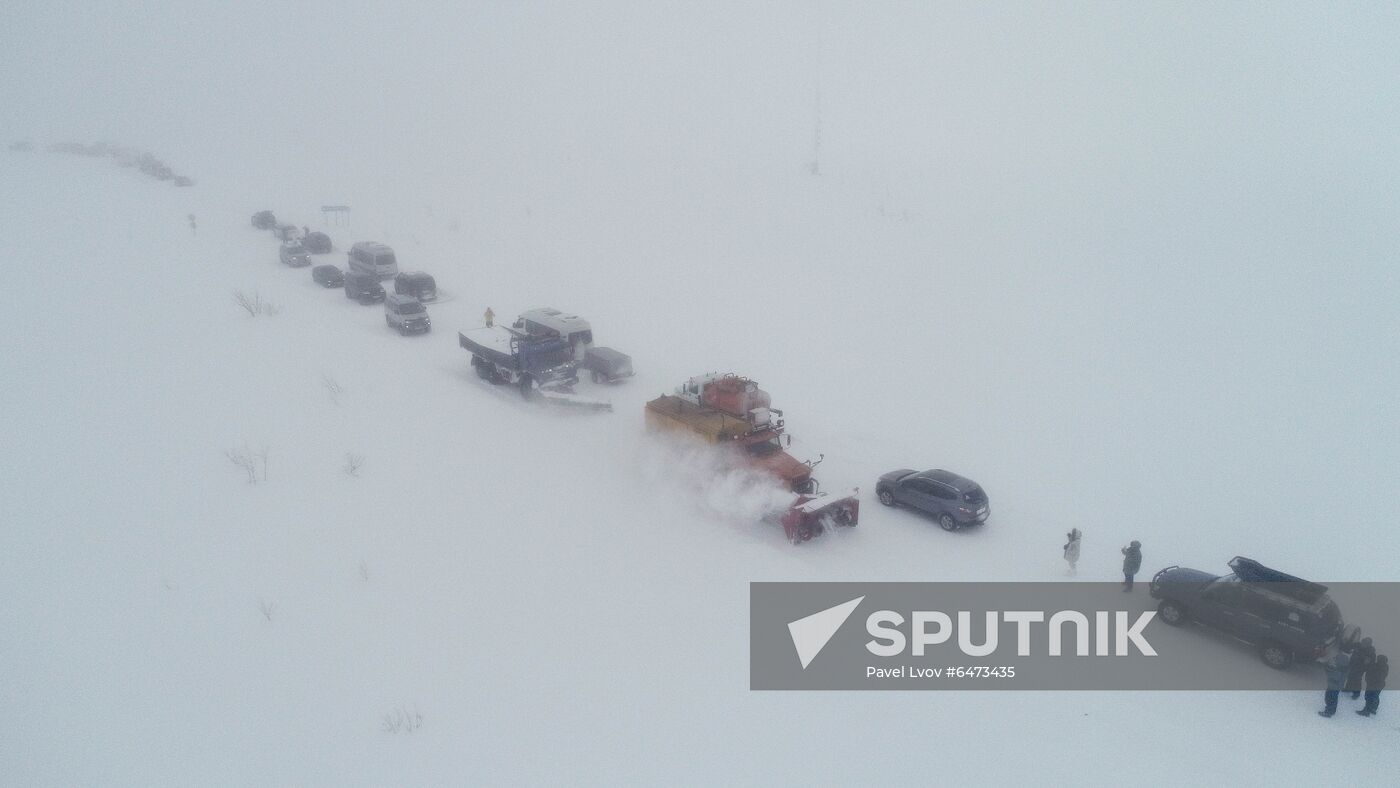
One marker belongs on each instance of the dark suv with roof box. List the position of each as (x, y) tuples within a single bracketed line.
[(1287, 618)]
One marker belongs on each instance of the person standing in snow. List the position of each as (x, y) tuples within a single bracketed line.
[(1072, 548), (1132, 562), (1336, 668), (1362, 655), (1375, 682)]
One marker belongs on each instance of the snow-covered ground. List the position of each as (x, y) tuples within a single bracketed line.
[(1190, 343)]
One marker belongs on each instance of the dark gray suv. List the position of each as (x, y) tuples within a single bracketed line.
[(953, 500), (1287, 618)]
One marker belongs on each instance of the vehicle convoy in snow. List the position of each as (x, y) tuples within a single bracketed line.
[(734, 414), (546, 322), (264, 220), (1288, 619), (955, 502), (373, 258), (293, 254), (328, 276), (363, 287), (417, 284), (405, 314), (317, 243)]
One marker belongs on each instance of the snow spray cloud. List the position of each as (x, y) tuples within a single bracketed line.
[(1047, 636), (706, 478)]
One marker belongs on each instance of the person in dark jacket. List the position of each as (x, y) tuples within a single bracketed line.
[(1375, 682), (1362, 655), (1336, 668), (1132, 562)]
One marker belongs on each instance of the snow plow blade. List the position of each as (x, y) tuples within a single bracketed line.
[(811, 515), (567, 400)]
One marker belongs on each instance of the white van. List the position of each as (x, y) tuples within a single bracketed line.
[(368, 257)]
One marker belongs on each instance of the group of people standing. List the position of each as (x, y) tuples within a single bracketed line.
[(1132, 556), (1353, 669), (1348, 670)]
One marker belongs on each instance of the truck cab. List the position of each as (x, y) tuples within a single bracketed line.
[(546, 322)]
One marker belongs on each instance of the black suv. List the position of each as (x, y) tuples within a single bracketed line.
[(328, 276), (1287, 618), (416, 284), (363, 287), (952, 499), (317, 243)]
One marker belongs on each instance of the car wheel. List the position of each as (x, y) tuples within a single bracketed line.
[(946, 522), (1276, 655), (886, 497), (1172, 613), (597, 376)]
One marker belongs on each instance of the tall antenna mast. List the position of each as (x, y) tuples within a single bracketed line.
[(816, 164)]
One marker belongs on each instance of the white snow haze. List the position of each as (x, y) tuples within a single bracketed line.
[(1130, 266)]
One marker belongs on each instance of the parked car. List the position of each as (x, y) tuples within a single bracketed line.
[(416, 284), (363, 287), (264, 220), (606, 365), (293, 254), (317, 243), (328, 276), (373, 258), (287, 232), (1287, 618), (953, 500), (406, 314)]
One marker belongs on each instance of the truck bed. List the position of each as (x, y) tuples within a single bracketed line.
[(492, 342)]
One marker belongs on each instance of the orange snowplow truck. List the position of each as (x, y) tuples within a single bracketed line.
[(733, 413)]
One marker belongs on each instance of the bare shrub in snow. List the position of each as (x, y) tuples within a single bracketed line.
[(246, 462), (401, 720), (333, 388), (253, 303), (267, 608), (352, 463), (262, 459)]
